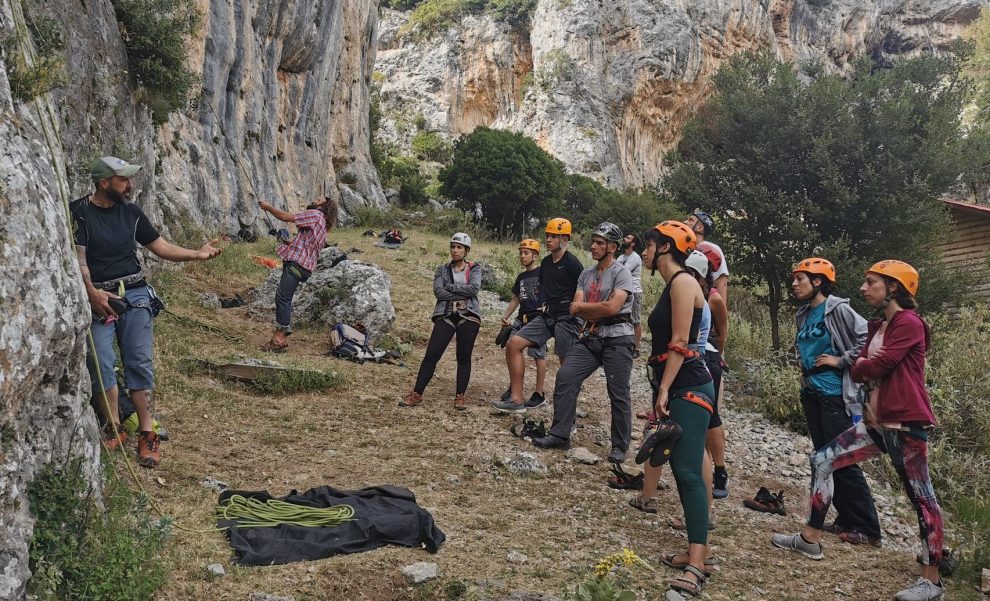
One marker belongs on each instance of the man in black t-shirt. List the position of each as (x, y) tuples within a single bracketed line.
[(559, 273), (106, 227)]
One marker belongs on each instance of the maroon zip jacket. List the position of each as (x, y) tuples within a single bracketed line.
[(900, 369)]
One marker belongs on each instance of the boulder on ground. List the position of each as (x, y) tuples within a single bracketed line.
[(420, 572), (340, 290)]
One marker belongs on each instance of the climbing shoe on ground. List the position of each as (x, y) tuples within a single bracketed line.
[(509, 406), (720, 484), (147, 448), (111, 441), (536, 400), (616, 456), (412, 399), (922, 590), (529, 429), (460, 403), (767, 502), (552, 442), (623, 480), (796, 543)]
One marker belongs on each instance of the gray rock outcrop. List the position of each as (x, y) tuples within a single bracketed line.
[(349, 292), (607, 86)]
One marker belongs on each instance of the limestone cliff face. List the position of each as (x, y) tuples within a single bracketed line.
[(607, 86)]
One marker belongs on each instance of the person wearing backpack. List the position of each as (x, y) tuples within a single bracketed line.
[(457, 314), (527, 298)]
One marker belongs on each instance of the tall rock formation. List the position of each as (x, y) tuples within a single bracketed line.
[(607, 86), (285, 89)]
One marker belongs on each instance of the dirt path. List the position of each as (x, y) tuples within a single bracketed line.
[(356, 436)]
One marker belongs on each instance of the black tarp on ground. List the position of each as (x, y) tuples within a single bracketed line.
[(382, 515)]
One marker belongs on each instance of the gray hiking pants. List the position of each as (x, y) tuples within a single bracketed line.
[(616, 355)]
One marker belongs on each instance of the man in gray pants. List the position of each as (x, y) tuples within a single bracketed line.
[(604, 300)]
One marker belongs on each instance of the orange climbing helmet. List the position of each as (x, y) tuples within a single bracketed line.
[(816, 266), (530, 244), (684, 239), (559, 226), (900, 271)]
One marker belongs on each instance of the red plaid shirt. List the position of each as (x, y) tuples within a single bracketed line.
[(306, 246)]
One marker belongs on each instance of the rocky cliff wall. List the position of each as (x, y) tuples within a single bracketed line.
[(607, 86)]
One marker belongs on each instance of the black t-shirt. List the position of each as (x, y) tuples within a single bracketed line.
[(692, 373), (527, 288), (109, 236), (558, 282)]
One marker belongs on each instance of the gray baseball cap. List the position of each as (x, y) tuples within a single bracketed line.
[(107, 167)]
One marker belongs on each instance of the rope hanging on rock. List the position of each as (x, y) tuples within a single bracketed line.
[(254, 513)]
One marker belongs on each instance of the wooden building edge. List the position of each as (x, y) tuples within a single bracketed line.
[(969, 245)]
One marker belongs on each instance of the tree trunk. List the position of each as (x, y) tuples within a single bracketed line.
[(774, 304)]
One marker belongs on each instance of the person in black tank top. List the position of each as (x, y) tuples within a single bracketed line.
[(683, 392)]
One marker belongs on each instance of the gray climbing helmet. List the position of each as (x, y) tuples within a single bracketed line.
[(609, 231)]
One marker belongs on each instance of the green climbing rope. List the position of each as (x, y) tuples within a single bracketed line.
[(253, 513)]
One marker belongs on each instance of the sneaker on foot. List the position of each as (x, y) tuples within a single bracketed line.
[(536, 400), (720, 484), (551, 441), (412, 399), (796, 543), (147, 448), (460, 403), (509, 406), (113, 442), (922, 590), (507, 395), (616, 456)]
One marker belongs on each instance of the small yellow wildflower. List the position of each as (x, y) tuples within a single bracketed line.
[(626, 557)]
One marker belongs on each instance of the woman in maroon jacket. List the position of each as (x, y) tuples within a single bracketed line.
[(897, 421)]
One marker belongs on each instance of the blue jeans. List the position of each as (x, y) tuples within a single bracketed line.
[(135, 337), (292, 276)]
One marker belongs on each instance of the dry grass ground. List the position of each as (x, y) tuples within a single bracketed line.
[(357, 436)]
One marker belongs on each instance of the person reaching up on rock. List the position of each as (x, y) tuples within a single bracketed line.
[(630, 259), (526, 297), (684, 392), (897, 420), (106, 227), (559, 273), (298, 259), (830, 335), (457, 314), (603, 299)]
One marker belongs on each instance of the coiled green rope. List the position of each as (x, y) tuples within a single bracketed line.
[(253, 513)]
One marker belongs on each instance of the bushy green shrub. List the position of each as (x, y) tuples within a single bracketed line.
[(403, 173), (82, 551), (557, 67), (434, 16), (156, 34), (429, 146), (30, 79)]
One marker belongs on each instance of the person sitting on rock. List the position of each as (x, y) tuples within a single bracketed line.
[(526, 297), (559, 273), (456, 313), (604, 301), (123, 304), (298, 260)]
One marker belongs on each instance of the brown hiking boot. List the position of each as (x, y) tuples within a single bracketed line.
[(412, 399), (112, 442), (148, 453), (460, 403)]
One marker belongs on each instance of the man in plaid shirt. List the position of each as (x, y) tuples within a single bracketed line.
[(298, 259)]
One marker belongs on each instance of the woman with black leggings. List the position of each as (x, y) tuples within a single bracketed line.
[(457, 314)]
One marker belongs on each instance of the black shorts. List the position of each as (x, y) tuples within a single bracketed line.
[(714, 361)]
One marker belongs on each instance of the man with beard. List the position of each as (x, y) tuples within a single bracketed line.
[(106, 228), (630, 259), (298, 259), (604, 301)]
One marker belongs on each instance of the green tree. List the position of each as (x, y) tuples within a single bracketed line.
[(851, 168), (506, 177)]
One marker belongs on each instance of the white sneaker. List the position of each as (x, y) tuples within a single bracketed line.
[(922, 590), (796, 543)]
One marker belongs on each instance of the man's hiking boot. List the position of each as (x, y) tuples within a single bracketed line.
[(509, 406), (720, 484), (922, 590), (536, 400), (767, 502), (796, 543), (460, 403), (412, 399), (551, 441), (616, 456), (148, 453), (113, 442), (854, 537)]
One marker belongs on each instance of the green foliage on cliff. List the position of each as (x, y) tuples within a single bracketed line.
[(508, 176), (850, 169), (434, 16), (156, 35), (45, 69), (429, 146)]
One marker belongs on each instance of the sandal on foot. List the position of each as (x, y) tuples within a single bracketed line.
[(686, 587), (271, 347), (645, 505), (677, 523), (670, 560)]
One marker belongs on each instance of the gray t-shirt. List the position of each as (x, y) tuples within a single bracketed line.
[(599, 289), (634, 263)]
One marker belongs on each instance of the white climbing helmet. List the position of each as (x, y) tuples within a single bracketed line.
[(462, 239), (698, 262)]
